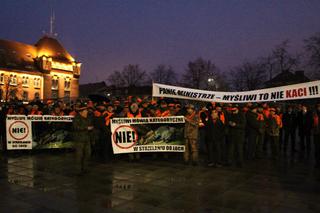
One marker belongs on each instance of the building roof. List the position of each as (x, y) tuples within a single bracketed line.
[(49, 46), (20, 56), (98, 88), (17, 55), (287, 78)]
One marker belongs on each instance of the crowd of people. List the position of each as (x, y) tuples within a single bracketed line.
[(229, 134)]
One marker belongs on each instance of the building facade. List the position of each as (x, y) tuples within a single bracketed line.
[(41, 71)]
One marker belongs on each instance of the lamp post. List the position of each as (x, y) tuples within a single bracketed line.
[(211, 84)]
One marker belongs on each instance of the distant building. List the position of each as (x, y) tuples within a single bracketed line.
[(98, 88), (101, 89), (287, 78), (41, 71)]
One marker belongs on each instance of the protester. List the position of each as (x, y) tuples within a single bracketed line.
[(273, 131), (237, 124), (304, 127), (289, 121), (82, 127), (222, 128), (191, 135), (214, 130)]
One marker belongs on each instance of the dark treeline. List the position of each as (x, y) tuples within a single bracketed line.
[(205, 74)]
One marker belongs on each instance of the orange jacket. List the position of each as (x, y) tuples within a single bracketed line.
[(34, 112), (165, 113), (107, 118), (130, 115)]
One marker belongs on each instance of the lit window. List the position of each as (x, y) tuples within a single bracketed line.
[(55, 83), (13, 79), (67, 84), (54, 94), (1, 78), (66, 95), (36, 95), (25, 95), (36, 82), (25, 81), (12, 93)]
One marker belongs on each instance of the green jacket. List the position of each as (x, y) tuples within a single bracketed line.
[(80, 129)]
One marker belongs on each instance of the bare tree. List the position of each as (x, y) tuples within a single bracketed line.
[(199, 74), (130, 76), (312, 47), (164, 74), (248, 76), (115, 78), (280, 60)]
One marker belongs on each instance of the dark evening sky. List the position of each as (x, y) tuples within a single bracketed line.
[(107, 34)]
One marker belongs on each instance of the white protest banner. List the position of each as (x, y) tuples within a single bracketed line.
[(38, 132), (149, 134), (19, 132), (290, 92)]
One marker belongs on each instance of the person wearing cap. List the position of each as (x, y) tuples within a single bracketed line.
[(273, 131), (316, 135), (289, 127), (191, 135), (253, 126), (81, 128), (237, 124), (304, 130)]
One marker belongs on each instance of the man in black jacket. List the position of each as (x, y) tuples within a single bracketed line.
[(237, 123), (214, 128), (289, 121), (304, 127), (253, 126), (316, 135)]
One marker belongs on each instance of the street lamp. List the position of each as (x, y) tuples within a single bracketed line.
[(211, 84)]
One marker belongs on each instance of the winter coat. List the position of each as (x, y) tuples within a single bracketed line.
[(191, 129)]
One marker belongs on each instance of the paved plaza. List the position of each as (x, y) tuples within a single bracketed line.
[(49, 182)]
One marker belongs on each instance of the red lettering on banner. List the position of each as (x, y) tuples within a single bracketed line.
[(296, 93)]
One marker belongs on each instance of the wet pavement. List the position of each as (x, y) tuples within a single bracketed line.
[(49, 183)]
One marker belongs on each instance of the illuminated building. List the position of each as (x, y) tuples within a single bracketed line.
[(44, 70)]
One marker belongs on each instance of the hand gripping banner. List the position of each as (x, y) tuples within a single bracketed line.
[(283, 93)]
